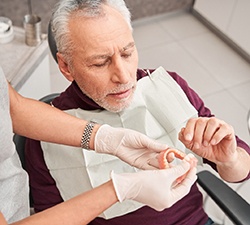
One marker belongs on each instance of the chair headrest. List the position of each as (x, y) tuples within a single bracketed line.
[(52, 43)]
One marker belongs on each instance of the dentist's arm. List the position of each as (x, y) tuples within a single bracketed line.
[(155, 188), (40, 121)]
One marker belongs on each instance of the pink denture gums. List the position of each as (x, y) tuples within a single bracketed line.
[(169, 154)]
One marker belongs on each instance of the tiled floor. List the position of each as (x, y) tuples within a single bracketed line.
[(180, 43)]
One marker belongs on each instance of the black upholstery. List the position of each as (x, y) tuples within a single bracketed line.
[(49, 98), (20, 140), (232, 204), (52, 43), (20, 145)]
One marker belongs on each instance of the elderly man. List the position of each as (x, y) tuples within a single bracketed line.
[(97, 53)]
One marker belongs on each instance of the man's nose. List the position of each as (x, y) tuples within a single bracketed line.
[(120, 73)]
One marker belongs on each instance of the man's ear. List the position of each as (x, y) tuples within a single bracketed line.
[(64, 67)]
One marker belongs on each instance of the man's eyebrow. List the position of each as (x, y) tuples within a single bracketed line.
[(94, 57), (130, 45)]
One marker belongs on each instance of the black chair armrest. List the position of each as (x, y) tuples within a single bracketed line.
[(232, 204)]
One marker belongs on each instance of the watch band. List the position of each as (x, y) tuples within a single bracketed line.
[(86, 135)]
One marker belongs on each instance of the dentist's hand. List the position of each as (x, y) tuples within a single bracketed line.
[(130, 146), (158, 189)]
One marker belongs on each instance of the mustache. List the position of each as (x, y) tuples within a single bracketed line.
[(122, 87)]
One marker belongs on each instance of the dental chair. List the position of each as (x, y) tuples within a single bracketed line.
[(222, 201), (215, 191)]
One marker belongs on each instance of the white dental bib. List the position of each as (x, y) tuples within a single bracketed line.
[(159, 109)]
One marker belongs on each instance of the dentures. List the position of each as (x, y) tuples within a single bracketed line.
[(168, 155)]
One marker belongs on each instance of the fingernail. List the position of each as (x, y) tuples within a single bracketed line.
[(213, 142), (188, 137), (205, 143), (196, 145)]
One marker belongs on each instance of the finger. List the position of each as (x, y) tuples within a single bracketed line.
[(156, 146), (147, 161), (170, 157), (150, 144), (225, 131), (153, 164), (191, 159), (199, 130), (188, 132), (190, 178), (213, 125), (181, 137), (184, 187), (180, 169), (149, 167)]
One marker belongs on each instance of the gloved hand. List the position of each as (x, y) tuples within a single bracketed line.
[(155, 188), (130, 146)]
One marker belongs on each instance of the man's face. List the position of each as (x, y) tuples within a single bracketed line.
[(105, 61)]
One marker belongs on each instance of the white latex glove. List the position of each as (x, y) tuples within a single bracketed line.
[(155, 188), (130, 146)]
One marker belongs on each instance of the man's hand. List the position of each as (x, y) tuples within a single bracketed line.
[(210, 138), (130, 146), (215, 140)]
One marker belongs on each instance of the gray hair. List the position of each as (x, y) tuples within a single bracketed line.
[(88, 8)]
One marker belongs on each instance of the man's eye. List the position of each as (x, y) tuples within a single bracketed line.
[(100, 64)]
